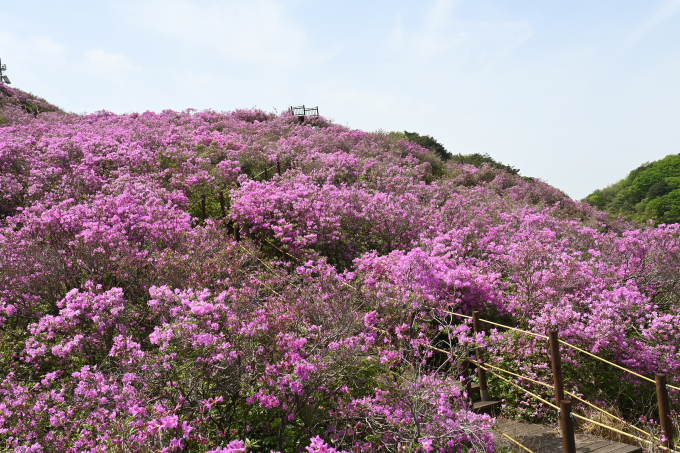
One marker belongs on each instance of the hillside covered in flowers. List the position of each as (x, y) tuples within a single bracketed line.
[(231, 281)]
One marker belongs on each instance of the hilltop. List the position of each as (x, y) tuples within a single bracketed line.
[(228, 281), (15, 102)]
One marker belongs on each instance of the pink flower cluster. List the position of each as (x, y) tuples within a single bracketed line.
[(132, 320)]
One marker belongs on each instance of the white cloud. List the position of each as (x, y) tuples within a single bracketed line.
[(442, 35), (667, 10), (252, 31), (661, 14), (102, 63)]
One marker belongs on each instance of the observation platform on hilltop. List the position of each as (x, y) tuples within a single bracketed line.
[(543, 439), (301, 112)]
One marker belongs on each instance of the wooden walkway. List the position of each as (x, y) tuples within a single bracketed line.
[(543, 439)]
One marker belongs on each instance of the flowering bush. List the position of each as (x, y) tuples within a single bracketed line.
[(133, 320)]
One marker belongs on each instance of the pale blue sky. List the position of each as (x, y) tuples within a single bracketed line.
[(577, 93)]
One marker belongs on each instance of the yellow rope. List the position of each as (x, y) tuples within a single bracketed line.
[(502, 433), (501, 325), (517, 375), (569, 345), (568, 393), (608, 362), (457, 314), (547, 402), (524, 390), (270, 168), (265, 264), (607, 413), (618, 431), (574, 414), (298, 260)]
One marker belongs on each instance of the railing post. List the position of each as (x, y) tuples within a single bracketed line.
[(483, 387), (664, 409), (203, 215), (278, 165), (556, 361), (567, 427), (224, 213)]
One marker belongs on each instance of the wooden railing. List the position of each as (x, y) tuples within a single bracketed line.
[(562, 404)]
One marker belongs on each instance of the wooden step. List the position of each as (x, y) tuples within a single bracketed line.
[(474, 389), (545, 439), (486, 407)]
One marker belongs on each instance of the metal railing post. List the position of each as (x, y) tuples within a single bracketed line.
[(664, 409), (567, 427), (483, 387), (556, 361), (224, 212)]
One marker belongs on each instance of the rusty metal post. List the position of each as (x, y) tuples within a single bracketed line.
[(664, 409), (483, 387), (556, 361), (567, 427), (224, 213), (203, 208), (237, 233)]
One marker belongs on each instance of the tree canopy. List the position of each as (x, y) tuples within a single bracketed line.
[(651, 191)]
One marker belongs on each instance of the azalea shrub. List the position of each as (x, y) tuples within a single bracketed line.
[(242, 281)]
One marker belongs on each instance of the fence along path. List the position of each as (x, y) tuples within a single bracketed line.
[(535, 438), (541, 439)]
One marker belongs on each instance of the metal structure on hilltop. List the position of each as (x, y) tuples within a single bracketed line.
[(301, 112), (4, 78)]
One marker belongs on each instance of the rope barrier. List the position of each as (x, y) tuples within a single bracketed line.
[(607, 413), (574, 414), (265, 264), (501, 325), (568, 393), (515, 385), (521, 376), (457, 314), (554, 406), (608, 362), (517, 375), (619, 431), (270, 168), (569, 345), (298, 260), (503, 434)]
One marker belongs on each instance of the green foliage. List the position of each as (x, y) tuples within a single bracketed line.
[(478, 160), (475, 159), (651, 191), (428, 142)]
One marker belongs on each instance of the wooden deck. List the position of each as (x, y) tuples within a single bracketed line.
[(543, 439)]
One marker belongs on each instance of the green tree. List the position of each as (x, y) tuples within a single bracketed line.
[(651, 191), (475, 159)]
